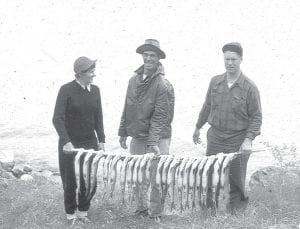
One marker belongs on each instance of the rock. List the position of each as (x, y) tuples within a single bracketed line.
[(6, 175), (27, 169), (26, 177), (18, 171), (275, 183), (7, 166), (46, 173)]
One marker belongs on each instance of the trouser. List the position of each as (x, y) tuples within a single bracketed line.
[(217, 142), (138, 147), (67, 173)]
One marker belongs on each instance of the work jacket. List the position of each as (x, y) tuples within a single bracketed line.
[(149, 107)]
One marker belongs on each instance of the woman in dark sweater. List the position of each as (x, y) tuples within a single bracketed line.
[(78, 121)]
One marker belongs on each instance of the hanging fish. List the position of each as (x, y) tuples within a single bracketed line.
[(216, 177), (94, 169), (224, 179), (192, 179), (113, 174), (186, 180), (206, 179), (147, 171), (106, 168), (142, 169), (100, 171), (171, 179), (87, 170), (123, 176), (164, 176), (130, 176), (199, 174), (159, 169), (78, 158), (136, 170), (180, 181), (118, 170)]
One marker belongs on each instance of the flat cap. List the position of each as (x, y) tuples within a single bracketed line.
[(233, 47)]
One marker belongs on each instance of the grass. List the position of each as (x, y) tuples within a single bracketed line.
[(39, 204)]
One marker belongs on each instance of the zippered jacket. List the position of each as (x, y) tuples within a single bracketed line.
[(149, 107)]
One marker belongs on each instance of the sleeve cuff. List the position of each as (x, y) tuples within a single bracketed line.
[(122, 133), (250, 136), (152, 143), (65, 141)]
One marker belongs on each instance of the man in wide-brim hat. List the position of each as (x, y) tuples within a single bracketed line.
[(147, 116)]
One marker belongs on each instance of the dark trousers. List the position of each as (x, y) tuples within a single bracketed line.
[(67, 172), (217, 142), (138, 147)]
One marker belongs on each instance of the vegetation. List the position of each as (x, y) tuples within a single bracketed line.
[(39, 204)]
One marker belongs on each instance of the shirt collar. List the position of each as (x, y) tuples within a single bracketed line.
[(88, 87), (239, 81)]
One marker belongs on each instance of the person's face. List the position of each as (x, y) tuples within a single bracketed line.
[(232, 62), (151, 60), (87, 77)]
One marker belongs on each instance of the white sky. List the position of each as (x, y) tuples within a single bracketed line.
[(41, 39)]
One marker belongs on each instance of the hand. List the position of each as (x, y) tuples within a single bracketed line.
[(122, 141), (101, 146), (68, 148), (153, 149), (246, 146), (196, 136)]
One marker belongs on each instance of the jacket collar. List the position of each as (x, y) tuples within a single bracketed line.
[(160, 70), (239, 82)]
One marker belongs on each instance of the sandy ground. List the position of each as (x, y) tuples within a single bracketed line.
[(41, 40)]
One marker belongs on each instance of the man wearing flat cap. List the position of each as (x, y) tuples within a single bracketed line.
[(147, 116), (233, 110), (78, 121)]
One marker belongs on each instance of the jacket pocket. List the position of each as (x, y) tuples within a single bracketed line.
[(239, 106), (216, 97)]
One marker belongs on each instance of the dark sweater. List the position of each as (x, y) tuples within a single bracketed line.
[(78, 113)]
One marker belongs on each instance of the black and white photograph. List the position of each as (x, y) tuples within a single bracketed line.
[(150, 114)]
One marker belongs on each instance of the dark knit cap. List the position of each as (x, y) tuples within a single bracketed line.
[(233, 47), (83, 64)]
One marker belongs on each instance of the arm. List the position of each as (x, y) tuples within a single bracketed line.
[(122, 128), (60, 115), (254, 113), (204, 113), (160, 116), (99, 120), (203, 116), (255, 119)]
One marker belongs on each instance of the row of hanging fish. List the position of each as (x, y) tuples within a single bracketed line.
[(190, 181)]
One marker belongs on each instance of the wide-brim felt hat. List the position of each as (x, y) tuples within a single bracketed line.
[(151, 45)]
